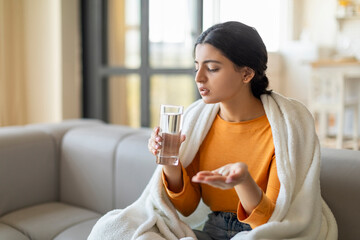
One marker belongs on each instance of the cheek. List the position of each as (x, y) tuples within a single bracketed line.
[(230, 84)]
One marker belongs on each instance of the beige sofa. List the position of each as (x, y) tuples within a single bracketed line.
[(56, 180)]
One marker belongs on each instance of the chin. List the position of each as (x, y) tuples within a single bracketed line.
[(209, 100)]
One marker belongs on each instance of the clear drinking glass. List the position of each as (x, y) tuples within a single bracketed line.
[(170, 131)]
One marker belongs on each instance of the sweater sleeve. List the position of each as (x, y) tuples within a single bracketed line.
[(187, 200), (263, 211)]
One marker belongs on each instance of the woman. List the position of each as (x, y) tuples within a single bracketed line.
[(236, 160), (251, 155)]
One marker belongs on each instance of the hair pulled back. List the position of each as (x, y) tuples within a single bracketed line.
[(244, 47)]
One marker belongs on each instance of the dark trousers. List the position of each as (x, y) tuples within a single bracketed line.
[(221, 226)]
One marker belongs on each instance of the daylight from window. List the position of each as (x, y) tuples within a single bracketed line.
[(172, 33), (264, 15)]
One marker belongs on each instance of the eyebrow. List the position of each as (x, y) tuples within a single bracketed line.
[(209, 61)]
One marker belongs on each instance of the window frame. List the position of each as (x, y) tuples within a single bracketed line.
[(96, 71)]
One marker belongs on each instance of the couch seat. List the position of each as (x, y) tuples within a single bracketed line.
[(9, 233), (46, 221), (79, 231)]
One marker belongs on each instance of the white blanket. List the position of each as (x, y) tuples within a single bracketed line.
[(300, 211)]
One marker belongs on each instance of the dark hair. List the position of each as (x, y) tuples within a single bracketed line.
[(244, 47)]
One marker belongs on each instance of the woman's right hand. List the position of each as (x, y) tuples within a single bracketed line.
[(172, 173), (154, 143)]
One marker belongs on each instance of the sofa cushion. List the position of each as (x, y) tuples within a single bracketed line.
[(9, 233), (340, 184), (45, 221), (28, 168), (134, 163), (87, 166), (78, 232)]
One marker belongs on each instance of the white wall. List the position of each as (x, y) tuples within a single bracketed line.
[(297, 56), (314, 35), (319, 19), (275, 72)]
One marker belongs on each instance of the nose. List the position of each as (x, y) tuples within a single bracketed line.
[(200, 75)]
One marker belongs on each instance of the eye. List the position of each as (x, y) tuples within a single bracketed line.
[(213, 69)]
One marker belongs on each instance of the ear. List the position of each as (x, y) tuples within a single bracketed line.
[(248, 74)]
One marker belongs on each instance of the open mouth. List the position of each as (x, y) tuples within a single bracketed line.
[(203, 91)]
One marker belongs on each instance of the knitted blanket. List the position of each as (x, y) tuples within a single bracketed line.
[(300, 211)]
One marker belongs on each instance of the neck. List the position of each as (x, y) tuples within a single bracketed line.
[(242, 111)]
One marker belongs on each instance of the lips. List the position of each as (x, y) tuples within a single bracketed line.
[(203, 91)]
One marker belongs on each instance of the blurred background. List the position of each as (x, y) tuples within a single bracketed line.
[(118, 60)]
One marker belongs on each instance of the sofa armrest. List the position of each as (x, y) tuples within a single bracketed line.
[(29, 158), (340, 184), (134, 167), (27, 168), (87, 166)]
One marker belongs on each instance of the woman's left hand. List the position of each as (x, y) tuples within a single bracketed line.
[(225, 177)]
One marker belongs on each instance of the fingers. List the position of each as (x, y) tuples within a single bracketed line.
[(212, 179), (225, 177), (208, 179), (205, 176), (200, 176), (224, 171), (154, 143), (229, 173), (155, 132), (182, 138)]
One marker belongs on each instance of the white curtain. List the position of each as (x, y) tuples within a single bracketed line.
[(40, 61)]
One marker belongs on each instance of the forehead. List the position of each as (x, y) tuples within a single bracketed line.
[(207, 51)]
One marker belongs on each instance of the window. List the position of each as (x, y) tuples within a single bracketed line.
[(264, 15), (138, 54)]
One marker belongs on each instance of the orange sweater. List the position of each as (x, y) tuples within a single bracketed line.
[(250, 142)]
